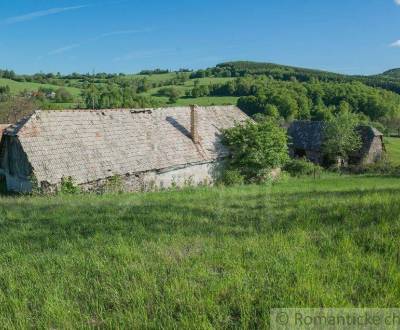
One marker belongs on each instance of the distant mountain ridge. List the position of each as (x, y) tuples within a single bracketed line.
[(393, 73), (389, 80)]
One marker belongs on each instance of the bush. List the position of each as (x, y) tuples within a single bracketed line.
[(302, 167), (171, 92), (232, 177), (68, 186), (63, 96), (380, 168), (256, 148)]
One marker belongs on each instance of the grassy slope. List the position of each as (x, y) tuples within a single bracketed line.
[(192, 259), (392, 145), (20, 86)]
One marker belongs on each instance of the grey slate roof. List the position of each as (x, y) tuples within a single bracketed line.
[(307, 135), (368, 132), (94, 144)]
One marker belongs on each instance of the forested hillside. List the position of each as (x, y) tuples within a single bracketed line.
[(269, 89)]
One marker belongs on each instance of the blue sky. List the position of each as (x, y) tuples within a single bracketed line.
[(350, 36)]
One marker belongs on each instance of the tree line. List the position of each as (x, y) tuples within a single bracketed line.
[(304, 100), (388, 80)]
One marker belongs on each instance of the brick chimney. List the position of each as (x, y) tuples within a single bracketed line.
[(194, 124)]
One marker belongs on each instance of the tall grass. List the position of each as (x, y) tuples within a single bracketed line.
[(210, 257)]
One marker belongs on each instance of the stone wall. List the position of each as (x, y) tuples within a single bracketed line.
[(189, 175), (186, 175), (374, 153)]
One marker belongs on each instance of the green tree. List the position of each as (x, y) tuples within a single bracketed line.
[(63, 96), (341, 137), (256, 148), (172, 93)]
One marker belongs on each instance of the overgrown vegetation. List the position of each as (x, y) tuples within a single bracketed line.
[(256, 148), (341, 138), (302, 167)]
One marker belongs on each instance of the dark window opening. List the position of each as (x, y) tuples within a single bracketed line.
[(299, 153), (3, 184)]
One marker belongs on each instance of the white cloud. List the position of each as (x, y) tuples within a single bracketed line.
[(395, 44), (397, 2), (41, 13), (101, 36)]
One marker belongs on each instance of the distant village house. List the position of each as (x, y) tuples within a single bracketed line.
[(146, 148)]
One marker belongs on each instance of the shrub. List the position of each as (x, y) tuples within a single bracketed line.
[(68, 186), (232, 177), (63, 96), (302, 167), (256, 148), (380, 168), (171, 92)]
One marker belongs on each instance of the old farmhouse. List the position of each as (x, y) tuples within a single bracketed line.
[(306, 139), (146, 148)]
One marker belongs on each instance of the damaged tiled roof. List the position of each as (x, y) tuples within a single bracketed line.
[(309, 135), (306, 135), (93, 144)]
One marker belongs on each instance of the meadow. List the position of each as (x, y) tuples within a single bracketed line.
[(17, 87), (392, 145), (199, 258)]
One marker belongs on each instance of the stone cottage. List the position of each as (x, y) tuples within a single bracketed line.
[(145, 148), (306, 139)]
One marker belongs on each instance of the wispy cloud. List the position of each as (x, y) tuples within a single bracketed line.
[(41, 13), (101, 36), (64, 49), (397, 2), (395, 44), (116, 33)]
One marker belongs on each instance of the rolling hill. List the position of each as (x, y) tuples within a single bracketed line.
[(220, 74), (17, 86), (393, 73)]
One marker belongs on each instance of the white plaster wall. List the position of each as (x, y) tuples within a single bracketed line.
[(193, 175)]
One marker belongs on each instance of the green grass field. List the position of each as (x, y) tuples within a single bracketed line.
[(392, 145), (199, 258), (17, 87)]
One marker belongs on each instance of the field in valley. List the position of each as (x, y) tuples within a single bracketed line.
[(199, 258), (17, 87)]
